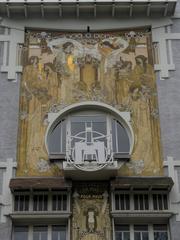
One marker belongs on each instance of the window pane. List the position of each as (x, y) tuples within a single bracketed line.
[(127, 202), (160, 227), (145, 236), (59, 203), (54, 200), (165, 202), (21, 233), (118, 235), (16, 202), (26, 203), (79, 124), (64, 202), (35, 203), (160, 236), (57, 138), (54, 139), (126, 236), (63, 137), (155, 201), (114, 142), (117, 201), (40, 202), (141, 227), (146, 202), (122, 232), (40, 233), (120, 137), (160, 202), (88, 118), (100, 127), (58, 233), (122, 228), (123, 139), (137, 236), (136, 202), (45, 203), (122, 201), (141, 201), (77, 127), (21, 203)]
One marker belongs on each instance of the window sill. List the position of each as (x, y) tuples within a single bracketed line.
[(43, 217), (142, 216)]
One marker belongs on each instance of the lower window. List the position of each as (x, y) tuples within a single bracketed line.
[(20, 233), (160, 232), (56, 232), (122, 232), (40, 233), (141, 232)]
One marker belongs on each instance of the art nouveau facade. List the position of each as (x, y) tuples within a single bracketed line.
[(89, 143)]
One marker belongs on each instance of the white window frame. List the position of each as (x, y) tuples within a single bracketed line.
[(131, 199), (67, 201), (49, 230), (142, 231), (108, 118), (21, 194), (163, 204), (122, 193), (168, 230), (131, 228), (124, 231), (40, 233), (39, 194), (49, 201), (143, 203)]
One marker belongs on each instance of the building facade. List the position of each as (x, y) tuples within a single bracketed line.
[(89, 143)]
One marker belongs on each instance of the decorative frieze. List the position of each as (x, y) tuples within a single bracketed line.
[(161, 36)]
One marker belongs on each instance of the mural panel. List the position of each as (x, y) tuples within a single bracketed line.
[(91, 219), (61, 68)]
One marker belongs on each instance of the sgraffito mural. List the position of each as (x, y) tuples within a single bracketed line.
[(91, 219), (61, 68)]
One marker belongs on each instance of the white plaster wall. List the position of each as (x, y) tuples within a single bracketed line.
[(169, 108), (9, 104)]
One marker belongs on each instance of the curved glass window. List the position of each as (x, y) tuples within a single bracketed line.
[(89, 127), (57, 138), (119, 137)]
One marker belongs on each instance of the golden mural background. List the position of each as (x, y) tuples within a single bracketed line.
[(61, 68)]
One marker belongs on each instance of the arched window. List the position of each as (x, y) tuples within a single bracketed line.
[(89, 135)]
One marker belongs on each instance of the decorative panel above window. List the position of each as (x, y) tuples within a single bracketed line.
[(80, 88)]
